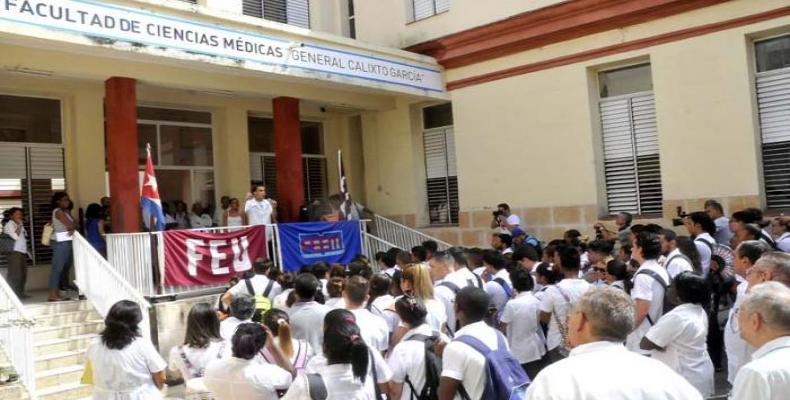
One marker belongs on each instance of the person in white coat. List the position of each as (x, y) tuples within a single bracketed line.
[(521, 323), (765, 324), (679, 339), (599, 366)]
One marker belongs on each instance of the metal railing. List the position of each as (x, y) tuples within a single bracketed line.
[(102, 284), (372, 245), (16, 336), (402, 236)]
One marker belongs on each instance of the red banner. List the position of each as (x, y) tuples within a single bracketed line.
[(202, 258)]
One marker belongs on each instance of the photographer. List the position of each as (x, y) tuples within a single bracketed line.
[(504, 220), (623, 222)]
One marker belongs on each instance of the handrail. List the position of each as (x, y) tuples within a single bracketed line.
[(16, 326), (373, 244), (102, 284), (402, 235)]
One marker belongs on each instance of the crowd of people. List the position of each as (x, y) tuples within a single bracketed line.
[(638, 312)]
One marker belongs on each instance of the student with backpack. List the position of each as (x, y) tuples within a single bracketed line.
[(499, 287), (414, 363), (702, 229), (449, 274), (676, 262), (259, 286), (297, 351), (477, 364), (651, 281), (521, 324)]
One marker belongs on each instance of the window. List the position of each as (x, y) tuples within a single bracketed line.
[(632, 167), (421, 9), (292, 12), (441, 177), (773, 101), (352, 23), (29, 120)]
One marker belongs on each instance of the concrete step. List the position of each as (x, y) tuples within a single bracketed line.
[(78, 342), (13, 391), (46, 332), (59, 359), (59, 376), (67, 317), (69, 391), (58, 307)]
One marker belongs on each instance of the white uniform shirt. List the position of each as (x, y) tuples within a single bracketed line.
[(20, 241), (607, 371), (200, 221), (723, 233), (461, 278), (783, 242), (125, 373), (465, 364), (767, 376), (511, 219), (259, 284), (259, 213), (227, 328), (647, 288), (704, 250), (524, 334), (281, 299), (676, 264), (307, 322), (340, 381), (236, 378), (738, 351), (373, 329), (408, 359), (554, 302), (199, 359), (499, 296), (683, 333)]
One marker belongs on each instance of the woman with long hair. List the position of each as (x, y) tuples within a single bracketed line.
[(63, 227), (298, 352), (344, 371), (334, 288), (381, 302), (416, 281), (241, 376), (234, 216), (125, 365), (202, 345)]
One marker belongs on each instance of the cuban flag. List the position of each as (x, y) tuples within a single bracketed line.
[(150, 203)]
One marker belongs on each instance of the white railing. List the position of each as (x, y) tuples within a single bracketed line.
[(372, 245), (16, 336), (402, 236), (102, 284)]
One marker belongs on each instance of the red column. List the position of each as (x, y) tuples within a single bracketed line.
[(120, 108), (288, 148)]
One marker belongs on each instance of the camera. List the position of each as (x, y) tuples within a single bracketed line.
[(679, 220), (497, 213)]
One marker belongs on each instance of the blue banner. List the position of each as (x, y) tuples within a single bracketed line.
[(306, 243)]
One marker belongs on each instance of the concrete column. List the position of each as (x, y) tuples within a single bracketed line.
[(121, 124), (84, 117), (288, 147), (231, 152)]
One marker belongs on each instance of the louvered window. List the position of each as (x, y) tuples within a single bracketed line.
[(632, 166), (292, 12), (773, 99), (421, 9), (440, 166)]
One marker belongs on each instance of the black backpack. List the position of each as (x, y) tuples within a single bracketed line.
[(669, 292), (455, 288), (433, 368)]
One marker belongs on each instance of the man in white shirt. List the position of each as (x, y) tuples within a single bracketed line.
[(260, 210), (772, 266), (520, 322), (599, 367), (449, 275), (765, 324), (701, 228), (462, 364), (527, 258), (259, 283), (780, 228), (499, 287), (307, 315), (242, 307), (558, 300), (716, 213), (504, 220), (677, 262), (502, 243), (650, 283), (373, 329)]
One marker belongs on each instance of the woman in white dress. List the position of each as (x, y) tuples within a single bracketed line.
[(297, 351), (234, 216), (202, 344), (125, 366)]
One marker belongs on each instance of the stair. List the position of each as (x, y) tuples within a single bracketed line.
[(61, 337)]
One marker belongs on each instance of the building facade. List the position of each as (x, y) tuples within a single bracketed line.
[(569, 111)]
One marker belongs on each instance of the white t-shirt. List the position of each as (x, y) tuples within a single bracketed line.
[(463, 363), (524, 334), (782, 242), (335, 303), (259, 213), (558, 299), (384, 307), (125, 372), (307, 322), (461, 278), (496, 291), (676, 264), (738, 351), (512, 219), (767, 376), (683, 334), (373, 329), (235, 378), (704, 250), (227, 328), (339, 379), (200, 221), (20, 241), (259, 284), (647, 288), (198, 360), (408, 359), (281, 299), (607, 371)]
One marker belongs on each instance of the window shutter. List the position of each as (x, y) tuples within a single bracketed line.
[(46, 176), (423, 9), (252, 8), (441, 174), (12, 162), (256, 167), (275, 10), (631, 162), (442, 5), (314, 175), (773, 98), (298, 13), (270, 175)]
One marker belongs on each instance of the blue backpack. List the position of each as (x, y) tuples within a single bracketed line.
[(505, 378)]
